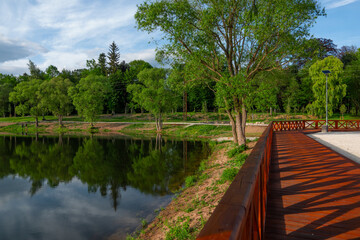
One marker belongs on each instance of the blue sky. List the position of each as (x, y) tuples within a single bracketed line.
[(66, 33)]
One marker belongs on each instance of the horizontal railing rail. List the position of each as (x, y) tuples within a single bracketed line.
[(315, 124), (242, 210)]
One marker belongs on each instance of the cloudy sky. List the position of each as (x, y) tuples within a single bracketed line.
[(66, 33)]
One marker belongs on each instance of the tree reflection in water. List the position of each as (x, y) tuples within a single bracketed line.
[(107, 165)]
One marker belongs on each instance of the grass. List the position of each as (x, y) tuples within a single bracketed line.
[(180, 230), (20, 129)]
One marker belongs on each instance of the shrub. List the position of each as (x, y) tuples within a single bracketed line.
[(190, 181)]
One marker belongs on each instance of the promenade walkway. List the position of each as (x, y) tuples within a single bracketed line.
[(314, 192)]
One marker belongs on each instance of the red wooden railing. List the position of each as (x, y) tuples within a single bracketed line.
[(315, 124), (241, 212)]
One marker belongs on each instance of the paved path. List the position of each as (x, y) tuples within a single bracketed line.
[(314, 192)]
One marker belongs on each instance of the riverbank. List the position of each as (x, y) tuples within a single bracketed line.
[(188, 212), (178, 130)]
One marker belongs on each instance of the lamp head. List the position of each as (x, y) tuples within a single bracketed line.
[(326, 72)]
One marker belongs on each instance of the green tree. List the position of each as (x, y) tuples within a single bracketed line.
[(231, 42), (51, 72), (352, 78), (89, 96), (35, 72), (153, 93), (28, 101), (114, 58), (342, 110), (336, 85), (102, 63), (54, 96), (5, 89)]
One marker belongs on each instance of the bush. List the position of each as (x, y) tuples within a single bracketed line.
[(190, 181)]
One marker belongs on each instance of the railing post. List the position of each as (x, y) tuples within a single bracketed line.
[(336, 124)]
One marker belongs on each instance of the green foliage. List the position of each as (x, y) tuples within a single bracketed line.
[(336, 85), (236, 150), (342, 110), (229, 174), (190, 181), (180, 230), (153, 94), (26, 96), (54, 96), (89, 96)]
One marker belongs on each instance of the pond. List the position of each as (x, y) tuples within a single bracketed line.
[(88, 187)]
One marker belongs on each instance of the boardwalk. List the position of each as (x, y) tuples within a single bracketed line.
[(314, 193)]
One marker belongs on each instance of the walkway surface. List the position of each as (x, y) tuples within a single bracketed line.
[(314, 192)]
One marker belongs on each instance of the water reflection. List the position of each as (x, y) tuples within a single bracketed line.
[(135, 175)]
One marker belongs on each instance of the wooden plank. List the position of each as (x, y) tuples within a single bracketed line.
[(314, 193)]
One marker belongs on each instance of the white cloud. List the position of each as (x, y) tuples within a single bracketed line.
[(146, 55), (329, 4), (72, 31), (15, 67), (13, 49)]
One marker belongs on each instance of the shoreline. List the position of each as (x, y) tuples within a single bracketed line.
[(193, 205)]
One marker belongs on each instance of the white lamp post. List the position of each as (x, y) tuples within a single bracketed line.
[(326, 129)]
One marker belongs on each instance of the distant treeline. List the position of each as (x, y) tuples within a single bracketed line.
[(104, 86)]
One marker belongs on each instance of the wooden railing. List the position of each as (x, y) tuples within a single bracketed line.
[(241, 212), (315, 124)]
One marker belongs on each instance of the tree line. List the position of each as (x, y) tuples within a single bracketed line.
[(110, 86), (107, 85)]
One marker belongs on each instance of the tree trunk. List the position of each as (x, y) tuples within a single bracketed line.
[(14, 111), (270, 111), (233, 126), (36, 122), (185, 106), (60, 121), (240, 123)]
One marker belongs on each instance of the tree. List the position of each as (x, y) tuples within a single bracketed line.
[(102, 63), (231, 42), (113, 57), (5, 89), (54, 96), (153, 93), (51, 72), (28, 101), (342, 110), (35, 72), (336, 85), (352, 79), (89, 96)]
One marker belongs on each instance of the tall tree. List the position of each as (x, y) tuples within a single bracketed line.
[(352, 78), (89, 96), (54, 96), (153, 93), (28, 101), (102, 63), (113, 58), (35, 72), (231, 41), (336, 85), (5, 89)]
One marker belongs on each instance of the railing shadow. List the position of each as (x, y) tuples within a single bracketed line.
[(317, 195)]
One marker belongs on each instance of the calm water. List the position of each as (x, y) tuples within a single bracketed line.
[(88, 188)]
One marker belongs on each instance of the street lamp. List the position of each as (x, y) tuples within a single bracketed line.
[(326, 129)]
